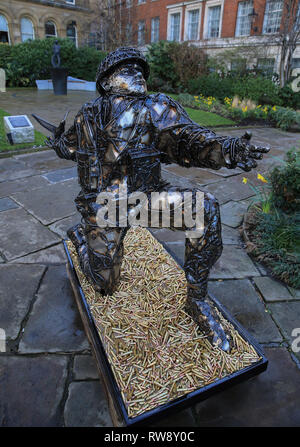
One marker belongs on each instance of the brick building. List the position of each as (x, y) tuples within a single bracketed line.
[(35, 19), (216, 26)]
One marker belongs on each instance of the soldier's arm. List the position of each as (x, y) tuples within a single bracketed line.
[(64, 144), (188, 144)]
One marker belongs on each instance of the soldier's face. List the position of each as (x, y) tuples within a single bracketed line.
[(127, 79)]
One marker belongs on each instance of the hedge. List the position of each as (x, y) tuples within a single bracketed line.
[(31, 60)]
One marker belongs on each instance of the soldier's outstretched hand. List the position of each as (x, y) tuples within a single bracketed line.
[(246, 153)]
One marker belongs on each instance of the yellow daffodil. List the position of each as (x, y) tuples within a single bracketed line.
[(260, 177), (244, 109), (274, 108), (245, 180)]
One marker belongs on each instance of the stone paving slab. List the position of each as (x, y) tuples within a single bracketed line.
[(272, 290), (270, 399), (11, 169), (31, 390), (18, 284), (176, 250), (61, 175), (25, 184), (287, 316), (243, 303), (50, 204), (84, 368), (294, 292), (230, 189), (51, 255), (232, 213), (233, 263), (197, 175), (230, 236), (86, 406), (45, 161), (54, 324), (21, 234), (166, 235), (225, 172), (176, 180), (7, 204), (60, 227)]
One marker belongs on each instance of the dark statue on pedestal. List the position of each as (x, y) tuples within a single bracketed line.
[(55, 59), (59, 74), (121, 139)]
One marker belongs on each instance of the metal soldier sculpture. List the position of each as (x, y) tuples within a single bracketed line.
[(121, 138)]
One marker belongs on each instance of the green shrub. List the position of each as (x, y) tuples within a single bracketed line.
[(285, 182), (187, 100), (286, 118), (31, 60), (212, 85), (5, 54), (278, 244), (162, 70), (259, 89), (189, 61), (289, 98), (172, 64)]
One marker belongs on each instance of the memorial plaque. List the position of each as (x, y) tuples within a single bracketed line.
[(19, 121), (18, 129)]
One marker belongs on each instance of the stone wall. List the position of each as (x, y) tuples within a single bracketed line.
[(61, 13)]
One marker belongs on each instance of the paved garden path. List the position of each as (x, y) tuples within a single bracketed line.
[(47, 373)]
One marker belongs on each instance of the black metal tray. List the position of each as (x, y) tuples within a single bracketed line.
[(120, 416)]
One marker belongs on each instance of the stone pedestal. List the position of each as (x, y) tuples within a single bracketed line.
[(18, 129), (2, 81), (59, 79)]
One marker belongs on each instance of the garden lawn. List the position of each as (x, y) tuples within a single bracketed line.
[(5, 146), (204, 118), (208, 118)]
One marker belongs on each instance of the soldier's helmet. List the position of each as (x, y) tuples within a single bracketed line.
[(118, 57)]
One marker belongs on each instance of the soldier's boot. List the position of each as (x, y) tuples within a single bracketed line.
[(202, 309), (77, 237)]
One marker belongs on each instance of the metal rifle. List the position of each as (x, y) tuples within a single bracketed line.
[(55, 130)]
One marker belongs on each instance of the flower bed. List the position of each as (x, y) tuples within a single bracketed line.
[(271, 226), (245, 112)]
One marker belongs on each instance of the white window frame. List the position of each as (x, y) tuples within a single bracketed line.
[(172, 11), (264, 31), (76, 39), (208, 5), (195, 6), (151, 38), (144, 40), (72, 2), (141, 2), (51, 35), (33, 34), (267, 65), (7, 30), (250, 8)]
